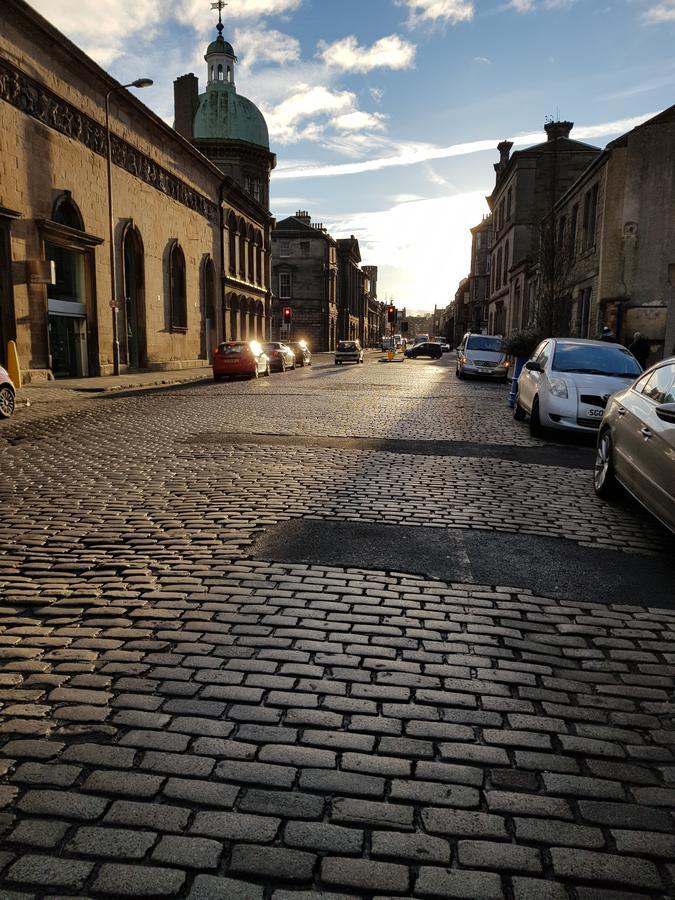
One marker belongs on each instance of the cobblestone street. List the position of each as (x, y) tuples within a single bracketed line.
[(214, 687)]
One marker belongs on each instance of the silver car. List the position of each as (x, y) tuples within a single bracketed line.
[(7, 395), (482, 354), (636, 442)]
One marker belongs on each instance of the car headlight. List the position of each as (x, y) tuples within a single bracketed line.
[(558, 388)]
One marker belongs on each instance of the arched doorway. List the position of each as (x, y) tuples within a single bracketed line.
[(134, 297), (209, 334)]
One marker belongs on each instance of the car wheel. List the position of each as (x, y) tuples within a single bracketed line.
[(460, 374), (518, 411), (536, 429), (604, 480), (293, 366), (7, 401), (254, 373)]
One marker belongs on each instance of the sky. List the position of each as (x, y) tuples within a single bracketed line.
[(385, 114)]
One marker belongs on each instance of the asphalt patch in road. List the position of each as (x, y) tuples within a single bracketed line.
[(547, 566), (566, 457)]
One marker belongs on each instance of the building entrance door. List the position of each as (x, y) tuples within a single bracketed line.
[(68, 346)]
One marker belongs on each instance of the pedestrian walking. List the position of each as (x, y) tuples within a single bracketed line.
[(640, 348), (607, 335)]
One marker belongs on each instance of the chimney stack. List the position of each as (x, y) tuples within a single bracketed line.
[(185, 102), (558, 129), (504, 148), (304, 217)]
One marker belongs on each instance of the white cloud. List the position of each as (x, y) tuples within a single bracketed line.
[(415, 154), (522, 6), (434, 11), (358, 121), (422, 247), (483, 59), (260, 45), (294, 118), (391, 52), (103, 30), (662, 12)]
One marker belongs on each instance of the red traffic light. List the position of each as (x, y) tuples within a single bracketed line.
[(391, 313), (287, 315)]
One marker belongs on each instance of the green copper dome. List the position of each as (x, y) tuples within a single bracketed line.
[(220, 45), (225, 115)]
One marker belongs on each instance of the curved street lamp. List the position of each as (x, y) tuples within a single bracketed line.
[(139, 83)]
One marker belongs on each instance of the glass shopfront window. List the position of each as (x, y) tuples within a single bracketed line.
[(67, 312)]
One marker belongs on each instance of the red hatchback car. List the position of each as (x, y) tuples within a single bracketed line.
[(233, 359)]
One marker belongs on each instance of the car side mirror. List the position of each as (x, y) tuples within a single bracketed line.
[(533, 366), (666, 412)]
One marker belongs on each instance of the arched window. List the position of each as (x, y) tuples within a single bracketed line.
[(258, 259), (65, 212), (506, 262), (177, 287), (220, 72), (242, 249), (251, 256), (229, 75), (232, 244), (212, 73)]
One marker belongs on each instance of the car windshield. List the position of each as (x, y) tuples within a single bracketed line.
[(595, 359), (232, 349), (346, 345), (485, 343)]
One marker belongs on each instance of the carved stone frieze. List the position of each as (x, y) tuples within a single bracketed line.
[(40, 103)]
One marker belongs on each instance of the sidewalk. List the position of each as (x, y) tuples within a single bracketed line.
[(45, 391)]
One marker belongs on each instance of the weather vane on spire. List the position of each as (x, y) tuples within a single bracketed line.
[(220, 6)]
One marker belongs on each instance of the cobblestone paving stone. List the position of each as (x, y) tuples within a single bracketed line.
[(180, 720)]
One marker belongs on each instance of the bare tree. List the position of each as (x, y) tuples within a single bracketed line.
[(553, 312)]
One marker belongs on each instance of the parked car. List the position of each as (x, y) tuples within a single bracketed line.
[(348, 351), (482, 354), (430, 349), (421, 339), (281, 356), (636, 442), (232, 359), (568, 381), (445, 346), (301, 352), (7, 395)]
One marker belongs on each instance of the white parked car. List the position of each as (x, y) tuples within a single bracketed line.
[(568, 381), (482, 354)]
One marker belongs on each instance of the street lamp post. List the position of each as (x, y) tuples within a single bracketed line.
[(139, 83)]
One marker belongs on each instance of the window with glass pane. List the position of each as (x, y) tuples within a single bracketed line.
[(284, 248), (660, 387), (178, 296), (285, 285), (69, 269)]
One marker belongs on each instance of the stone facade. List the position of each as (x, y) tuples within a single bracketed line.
[(528, 184), (351, 298), (304, 277), (479, 276), (171, 206)]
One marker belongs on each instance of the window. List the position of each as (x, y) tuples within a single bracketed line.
[(232, 244), (574, 218), (284, 285), (177, 293), (220, 73), (584, 312), (506, 263), (501, 214), (284, 248), (590, 216), (499, 268), (304, 248), (562, 226), (478, 236), (661, 385), (543, 353), (253, 186), (508, 204)]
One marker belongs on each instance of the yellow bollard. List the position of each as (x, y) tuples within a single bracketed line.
[(13, 368), (390, 355)]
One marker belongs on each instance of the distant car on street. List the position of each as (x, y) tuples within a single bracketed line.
[(636, 442), (429, 348), (281, 356), (7, 394), (482, 355), (421, 339), (234, 359), (348, 351), (445, 346), (568, 381), (301, 351)]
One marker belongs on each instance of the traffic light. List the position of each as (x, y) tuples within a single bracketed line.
[(391, 314), (288, 315)]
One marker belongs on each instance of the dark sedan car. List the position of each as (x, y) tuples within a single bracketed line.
[(428, 348), (302, 355)]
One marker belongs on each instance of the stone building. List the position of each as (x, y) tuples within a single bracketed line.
[(479, 276), (174, 236), (351, 298), (616, 228), (527, 186), (304, 277)]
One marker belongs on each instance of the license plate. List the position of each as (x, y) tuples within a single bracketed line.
[(591, 413)]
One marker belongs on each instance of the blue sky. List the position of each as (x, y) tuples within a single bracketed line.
[(384, 114)]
